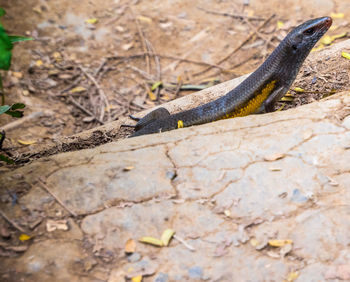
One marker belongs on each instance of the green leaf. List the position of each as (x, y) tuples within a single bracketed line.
[(2, 12), (5, 50), (6, 159), (17, 106), (16, 114), (4, 109), (18, 38), (156, 85)]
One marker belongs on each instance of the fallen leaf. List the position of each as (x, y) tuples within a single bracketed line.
[(127, 46), (298, 89), (91, 21), (39, 63), (24, 237), (345, 55), (26, 142), (77, 89), (337, 15), (52, 225), (128, 168), (144, 19), (227, 213), (130, 246), (156, 85), (166, 236), (151, 95), (57, 56), (326, 40), (287, 99), (274, 157), (137, 278), (25, 92), (292, 276), (152, 241), (280, 24), (280, 243)]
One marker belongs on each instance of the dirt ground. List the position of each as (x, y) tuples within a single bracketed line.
[(87, 64)]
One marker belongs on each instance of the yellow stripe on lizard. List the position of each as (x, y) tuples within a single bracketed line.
[(253, 104)]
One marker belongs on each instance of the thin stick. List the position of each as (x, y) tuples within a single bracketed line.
[(143, 40), (14, 224), (182, 241), (238, 47), (232, 15), (17, 123), (43, 185), (100, 91), (82, 108), (157, 63), (170, 57)]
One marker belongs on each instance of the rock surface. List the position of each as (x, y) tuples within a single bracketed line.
[(227, 188)]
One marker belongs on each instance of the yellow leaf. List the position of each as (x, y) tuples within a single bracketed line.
[(326, 40), (287, 99), (137, 278), (25, 92), (166, 236), (180, 124), (345, 55), (28, 142), (337, 15), (298, 89), (333, 27), (57, 56), (78, 89), (340, 35), (151, 95), (292, 276), (91, 21), (24, 237), (319, 47), (151, 241), (39, 63), (156, 85), (280, 243), (144, 19), (280, 24), (130, 246)]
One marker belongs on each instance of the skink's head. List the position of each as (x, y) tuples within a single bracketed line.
[(304, 37)]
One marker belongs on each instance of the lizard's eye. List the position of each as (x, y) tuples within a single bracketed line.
[(309, 31)]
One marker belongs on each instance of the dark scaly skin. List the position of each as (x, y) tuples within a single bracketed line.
[(262, 89)]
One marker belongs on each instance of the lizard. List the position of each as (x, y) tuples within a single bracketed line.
[(258, 93)]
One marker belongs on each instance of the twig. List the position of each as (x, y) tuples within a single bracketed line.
[(143, 40), (14, 224), (182, 241), (27, 118), (82, 108), (157, 63), (238, 47), (232, 15), (100, 92), (43, 185), (167, 57), (267, 40)]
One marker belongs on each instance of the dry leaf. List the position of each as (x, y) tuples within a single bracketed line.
[(280, 243), (345, 55), (274, 157), (292, 276), (39, 63), (78, 89), (166, 236), (254, 242), (26, 142), (128, 168), (151, 95), (52, 225), (91, 21), (137, 278), (130, 246), (24, 237), (337, 15), (152, 241), (298, 89), (17, 74), (280, 24), (144, 19)]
